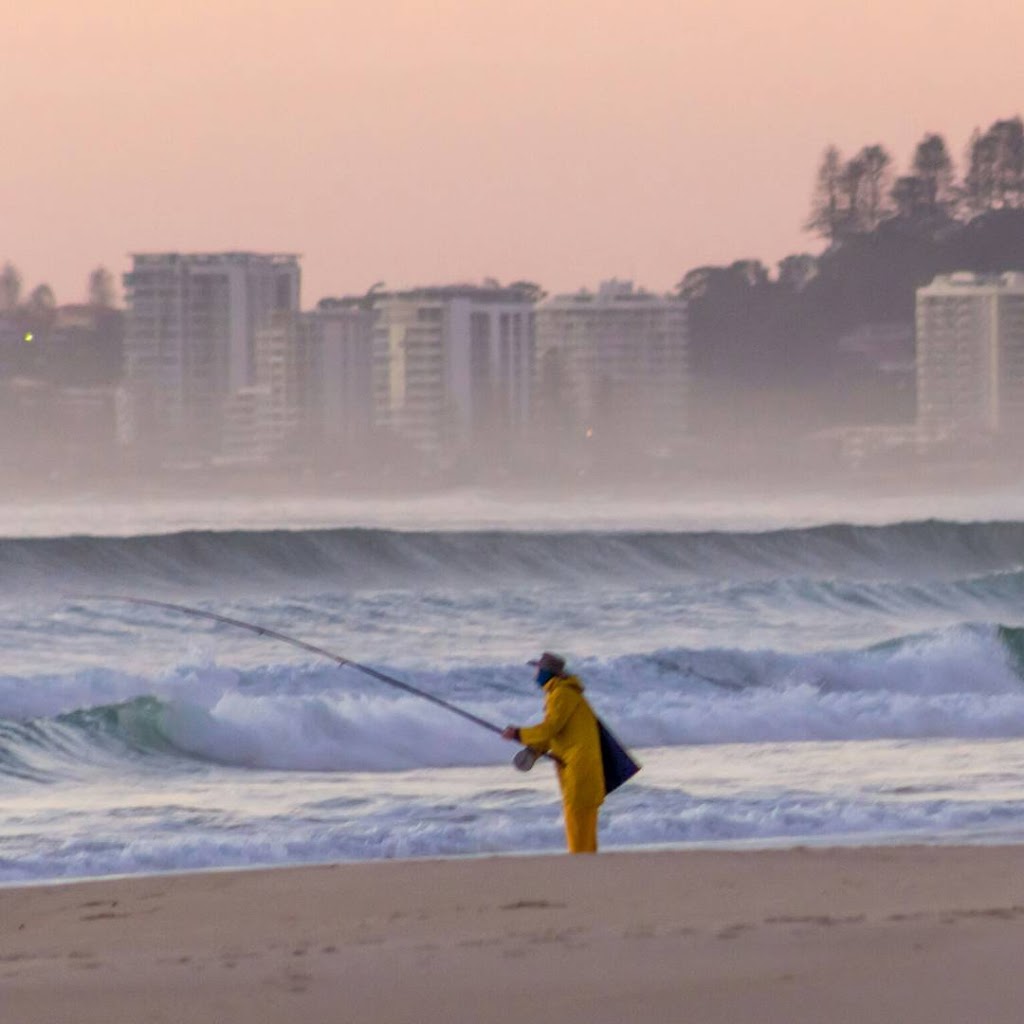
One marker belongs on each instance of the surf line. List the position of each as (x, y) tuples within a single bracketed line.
[(302, 645)]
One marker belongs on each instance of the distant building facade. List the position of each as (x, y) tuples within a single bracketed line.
[(970, 356), (613, 364), (339, 396), (59, 372), (452, 366), (193, 322), (266, 420)]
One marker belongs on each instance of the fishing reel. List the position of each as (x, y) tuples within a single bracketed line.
[(525, 759)]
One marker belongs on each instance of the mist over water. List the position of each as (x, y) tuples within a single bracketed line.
[(529, 507)]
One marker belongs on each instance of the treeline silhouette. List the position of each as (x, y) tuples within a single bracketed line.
[(770, 337), (52, 345)]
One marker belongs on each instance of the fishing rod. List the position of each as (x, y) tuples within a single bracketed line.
[(302, 645)]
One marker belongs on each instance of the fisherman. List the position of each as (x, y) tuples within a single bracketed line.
[(569, 733)]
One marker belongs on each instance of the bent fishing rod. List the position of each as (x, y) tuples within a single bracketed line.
[(302, 645)]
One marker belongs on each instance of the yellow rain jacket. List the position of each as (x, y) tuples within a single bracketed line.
[(569, 732)]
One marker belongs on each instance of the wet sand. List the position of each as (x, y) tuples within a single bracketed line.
[(899, 935)]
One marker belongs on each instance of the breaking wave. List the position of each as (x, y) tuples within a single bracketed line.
[(965, 681)]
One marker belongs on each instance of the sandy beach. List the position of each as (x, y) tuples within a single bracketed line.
[(893, 934)]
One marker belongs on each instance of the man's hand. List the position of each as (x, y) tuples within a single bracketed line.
[(510, 732)]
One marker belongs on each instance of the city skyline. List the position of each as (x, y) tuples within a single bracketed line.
[(564, 144), (214, 368)]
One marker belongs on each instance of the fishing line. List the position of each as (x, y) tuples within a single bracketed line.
[(302, 645)]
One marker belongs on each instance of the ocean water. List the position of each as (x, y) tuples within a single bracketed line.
[(787, 673)]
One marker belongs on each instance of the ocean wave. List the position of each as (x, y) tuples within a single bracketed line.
[(354, 558), (965, 681), (762, 797)]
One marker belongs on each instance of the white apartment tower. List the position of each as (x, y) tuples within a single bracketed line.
[(453, 366), (970, 356), (191, 337), (615, 365), (312, 400), (268, 420), (339, 337)]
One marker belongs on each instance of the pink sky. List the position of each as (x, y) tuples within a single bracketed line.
[(420, 143)]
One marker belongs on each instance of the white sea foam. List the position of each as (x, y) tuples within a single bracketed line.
[(479, 508), (753, 794), (960, 682)]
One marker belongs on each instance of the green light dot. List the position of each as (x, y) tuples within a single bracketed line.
[(30, 336)]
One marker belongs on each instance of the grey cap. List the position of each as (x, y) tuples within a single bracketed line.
[(549, 662)]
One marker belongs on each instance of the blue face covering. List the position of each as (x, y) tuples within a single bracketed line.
[(543, 675)]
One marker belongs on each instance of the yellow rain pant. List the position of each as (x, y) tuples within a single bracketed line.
[(581, 829)]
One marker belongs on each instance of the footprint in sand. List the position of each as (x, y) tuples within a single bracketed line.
[(533, 905)]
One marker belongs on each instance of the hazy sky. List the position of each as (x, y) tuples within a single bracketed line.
[(561, 141)]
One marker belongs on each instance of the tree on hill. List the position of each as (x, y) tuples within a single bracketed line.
[(852, 197), (933, 167), (990, 244), (10, 287), (729, 309), (869, 202), (797, 271), (530, 290), (995, 175), (101, 288), (42, 299), (750, 333), (910, 198), (829, 209)]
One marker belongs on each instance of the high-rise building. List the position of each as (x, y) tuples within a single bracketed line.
[(190, 340), (970, 356), (613, 366), (453, 366), (267, 420), (339, 336)]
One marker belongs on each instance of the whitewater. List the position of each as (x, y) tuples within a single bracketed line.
[(785, 676)]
